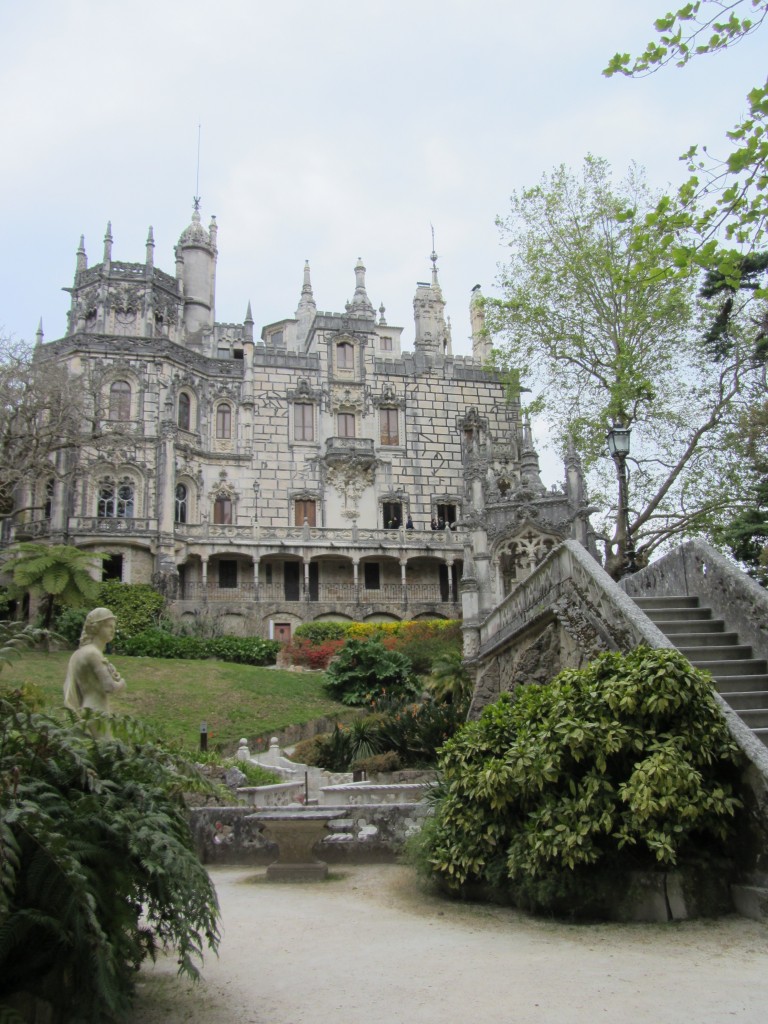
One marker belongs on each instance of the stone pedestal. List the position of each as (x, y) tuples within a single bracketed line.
[(296, 832)]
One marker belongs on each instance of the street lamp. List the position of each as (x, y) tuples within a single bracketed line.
[(618, 446)]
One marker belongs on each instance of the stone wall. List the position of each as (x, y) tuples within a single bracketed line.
[(369, 833)]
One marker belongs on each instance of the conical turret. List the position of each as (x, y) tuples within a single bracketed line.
[(361, 305)]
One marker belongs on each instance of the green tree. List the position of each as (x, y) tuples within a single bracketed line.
[(725, 199), (603, 339), (58, 573)]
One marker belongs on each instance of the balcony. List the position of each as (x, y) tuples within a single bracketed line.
[(357, 450), (326, 593)]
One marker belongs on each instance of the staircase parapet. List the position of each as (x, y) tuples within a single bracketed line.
[(570, 573)]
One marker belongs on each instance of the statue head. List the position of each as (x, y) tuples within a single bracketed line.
[(99, 624)]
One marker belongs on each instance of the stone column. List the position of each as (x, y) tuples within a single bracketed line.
[(449, 566), (403, 582), (356, 578), (305, 594), (204, 576), (255, 561)]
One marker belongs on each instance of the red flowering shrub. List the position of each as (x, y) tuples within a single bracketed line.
[(312, 655)]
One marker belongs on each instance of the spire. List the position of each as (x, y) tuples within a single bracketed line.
[(481, 341), (82, 259), (150, 247), (432, 332), (108, 243), (361, 304), (529, 460), (306, 309), (248, 324), (39, 333)]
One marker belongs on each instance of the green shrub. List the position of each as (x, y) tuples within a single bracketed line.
[(69, 624), (136, 606), (319, 632), (98, 869), (626, 763), (306, 751), (416, 732), (376, 763), (423, 643), (364, 670), (156, 643)]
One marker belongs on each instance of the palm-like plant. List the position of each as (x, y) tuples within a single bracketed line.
[(60, 573), (451, 681)]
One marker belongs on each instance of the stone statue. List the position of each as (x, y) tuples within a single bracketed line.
[(91, 679)]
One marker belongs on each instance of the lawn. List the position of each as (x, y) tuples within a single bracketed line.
[(174, 697)]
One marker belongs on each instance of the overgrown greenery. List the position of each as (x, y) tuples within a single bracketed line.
[(97, 866), (61, 575), (364, 670), (136, 606), (626, 763)]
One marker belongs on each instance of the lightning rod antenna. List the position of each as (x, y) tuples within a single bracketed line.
[(196, 197)]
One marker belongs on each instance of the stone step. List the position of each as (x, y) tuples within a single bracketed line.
[(709, 652), (755, 718), (736, 667), (659, 615), (676, 601), (741, 700), (741, 684), (762, 735), (674, 627), (698, 640)]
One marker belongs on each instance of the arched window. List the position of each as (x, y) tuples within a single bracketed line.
[(224, 421), (345, 356), (222, 511), (184, 411), (120, 401), (181, 504), (115, 502)]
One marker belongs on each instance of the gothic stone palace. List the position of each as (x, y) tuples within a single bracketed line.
[(297, 476)]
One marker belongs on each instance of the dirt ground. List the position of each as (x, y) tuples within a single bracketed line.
[(368, 946)]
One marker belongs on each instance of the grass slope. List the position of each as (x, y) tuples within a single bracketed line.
[(174, 697)]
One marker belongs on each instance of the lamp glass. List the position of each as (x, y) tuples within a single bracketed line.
[(618, 440)]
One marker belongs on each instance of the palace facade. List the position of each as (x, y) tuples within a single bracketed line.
[(318, 470)]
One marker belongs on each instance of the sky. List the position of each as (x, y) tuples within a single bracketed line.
[(329, 130)]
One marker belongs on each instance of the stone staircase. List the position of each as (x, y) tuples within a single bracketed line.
[(741, 680)]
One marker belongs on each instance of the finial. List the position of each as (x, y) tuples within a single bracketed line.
[(39, 333), (82, 259), (248, 314), (108, 242), (150, 247), (433, 258), (382, 311)]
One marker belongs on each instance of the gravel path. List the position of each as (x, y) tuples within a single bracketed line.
[(369, 947)]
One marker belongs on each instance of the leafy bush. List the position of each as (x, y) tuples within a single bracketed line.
[(626, 763), (136, 606), (156, 643), (426, 642), (416, 732), (319, 632), (365, 669), (98, 867), (376, 763), (313, 654)]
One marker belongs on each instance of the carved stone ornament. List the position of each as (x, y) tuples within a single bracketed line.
[(350, 479), (304, 392)]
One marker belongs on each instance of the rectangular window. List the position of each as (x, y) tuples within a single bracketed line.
[(276, 338), (222, 512), (386, 344), (446, 514), (303, 422), (372, 575), (392, 513), (227, 573), (346, 424), (305, 510), (390, 430), (224, 421), (345, 356)]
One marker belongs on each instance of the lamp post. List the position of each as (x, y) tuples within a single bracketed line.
[(618, 446)]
